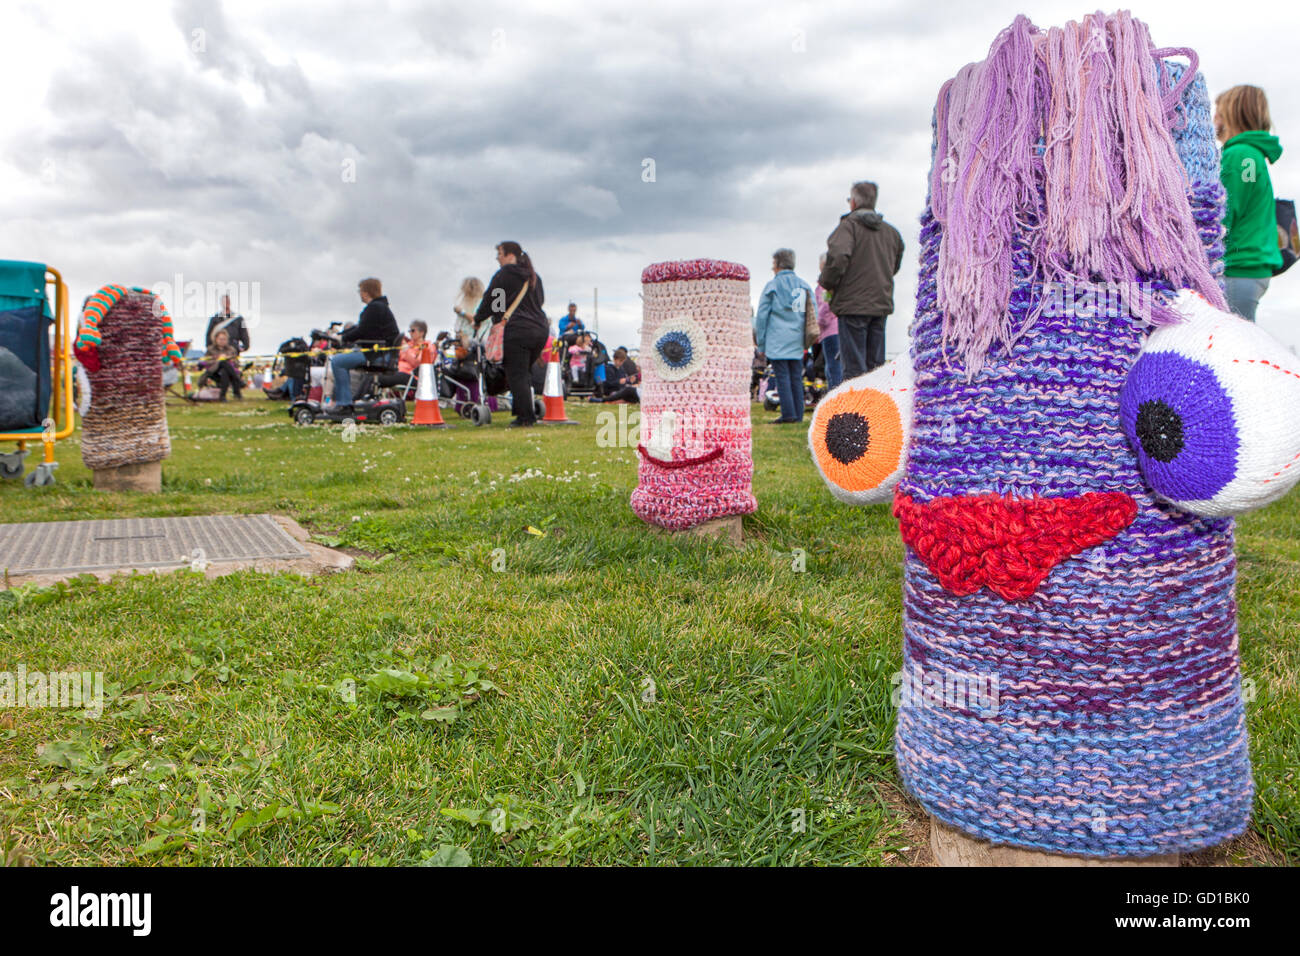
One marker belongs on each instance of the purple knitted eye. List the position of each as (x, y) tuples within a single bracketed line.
[(1181, 423)]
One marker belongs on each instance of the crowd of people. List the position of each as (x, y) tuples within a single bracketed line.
[(851, 300), (501, 325)]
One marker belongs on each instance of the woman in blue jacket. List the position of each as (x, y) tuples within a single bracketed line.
[(778, 332)]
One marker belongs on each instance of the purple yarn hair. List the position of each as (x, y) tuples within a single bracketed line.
[(1061, 138)]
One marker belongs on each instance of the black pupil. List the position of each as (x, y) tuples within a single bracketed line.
[(1160, 430), (673, 351), (847, 437)]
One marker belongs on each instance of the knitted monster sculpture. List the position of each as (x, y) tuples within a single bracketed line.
[(696, 355), (124, 340), (1076, 421)]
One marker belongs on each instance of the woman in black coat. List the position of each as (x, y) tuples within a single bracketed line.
[(527, 330)]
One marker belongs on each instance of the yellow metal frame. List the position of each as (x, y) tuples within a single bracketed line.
[(61, 393)]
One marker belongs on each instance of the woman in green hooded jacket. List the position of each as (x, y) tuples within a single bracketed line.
[(1242, 123)]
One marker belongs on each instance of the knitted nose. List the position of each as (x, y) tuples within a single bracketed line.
[(1006, 544)]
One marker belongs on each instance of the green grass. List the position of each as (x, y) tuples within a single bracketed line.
[(650, 699)]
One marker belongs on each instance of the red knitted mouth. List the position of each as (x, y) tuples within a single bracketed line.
[(1007, 544), (680, 462)]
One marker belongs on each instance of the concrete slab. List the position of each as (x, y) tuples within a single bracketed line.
[(46, 552)]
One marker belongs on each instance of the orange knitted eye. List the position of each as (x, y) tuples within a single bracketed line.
[(860, 431)]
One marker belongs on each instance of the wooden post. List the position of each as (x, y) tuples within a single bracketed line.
[(146, 478), (727, 528), (952, 847)]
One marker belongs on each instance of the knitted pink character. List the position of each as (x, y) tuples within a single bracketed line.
[(696, 353)]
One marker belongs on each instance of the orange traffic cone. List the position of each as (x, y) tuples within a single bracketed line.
[(427, 411), (553, 392)]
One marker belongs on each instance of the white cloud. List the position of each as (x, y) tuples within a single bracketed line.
[(130, 156)]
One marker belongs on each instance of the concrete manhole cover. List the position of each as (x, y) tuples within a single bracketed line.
[(70, 547)]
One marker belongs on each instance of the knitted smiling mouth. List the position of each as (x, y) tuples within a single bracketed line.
[(680, 462), (1007, 544)]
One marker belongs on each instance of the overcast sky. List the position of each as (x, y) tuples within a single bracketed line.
[(295, 148)]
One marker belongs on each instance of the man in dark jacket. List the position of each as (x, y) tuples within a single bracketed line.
[(862, 257), (376, 324), (232, 323)]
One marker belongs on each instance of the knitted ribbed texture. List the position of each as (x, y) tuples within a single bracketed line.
[(126, 423), (99, 304), (1076, 689), (696, 354)]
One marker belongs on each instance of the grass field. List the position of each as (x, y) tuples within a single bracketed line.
[(590, 694)]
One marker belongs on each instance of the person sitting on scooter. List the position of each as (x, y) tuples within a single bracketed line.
[(376, 324), (408, 359)]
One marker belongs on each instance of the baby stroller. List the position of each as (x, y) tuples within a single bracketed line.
[(814, 389), (475, 386), (291, 362), (582, 382), (29, 375)]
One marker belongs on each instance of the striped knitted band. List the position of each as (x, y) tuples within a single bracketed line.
[(694, 269), (98, 306)]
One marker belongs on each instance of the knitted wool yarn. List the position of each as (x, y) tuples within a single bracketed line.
[(696, 354), (1212, 409), (98, 305), (860, 432), (1071, 677), (126, 423)]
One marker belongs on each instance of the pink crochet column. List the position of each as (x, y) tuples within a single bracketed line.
[(696, 353)]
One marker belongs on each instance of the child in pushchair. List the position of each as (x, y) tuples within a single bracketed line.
[(290, 371), (584, 358)]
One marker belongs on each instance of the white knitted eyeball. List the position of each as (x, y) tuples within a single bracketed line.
[(1212, 409), (678, 348), (860, 432)]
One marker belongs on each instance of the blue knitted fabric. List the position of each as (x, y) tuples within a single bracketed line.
[(1102, 715)]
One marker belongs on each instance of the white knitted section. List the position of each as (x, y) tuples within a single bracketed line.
[(1262, 379), (880, 466)]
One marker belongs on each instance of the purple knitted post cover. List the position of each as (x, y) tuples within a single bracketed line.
[(1101, 714)]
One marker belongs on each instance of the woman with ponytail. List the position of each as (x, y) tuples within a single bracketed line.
[(515, 296)]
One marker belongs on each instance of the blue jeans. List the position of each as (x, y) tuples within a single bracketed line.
[(862, 343), (789, 385), (831, 352), (343, 363), (1244, 294)]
